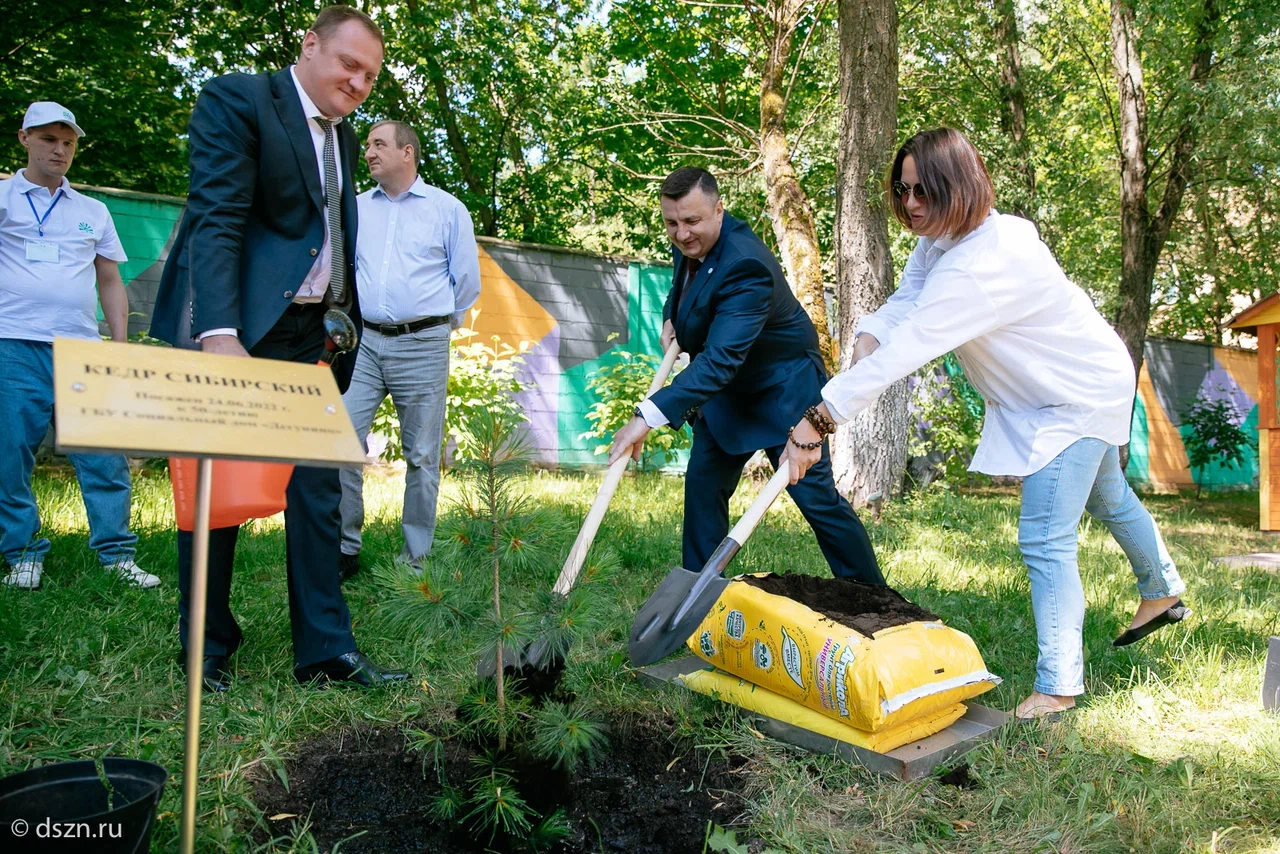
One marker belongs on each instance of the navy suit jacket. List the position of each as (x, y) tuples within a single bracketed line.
[(755, 364), (255, 214)]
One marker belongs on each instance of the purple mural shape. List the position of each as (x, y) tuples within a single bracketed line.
[(1218, 384), (540, 376)]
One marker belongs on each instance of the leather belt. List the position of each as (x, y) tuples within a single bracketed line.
[(412, 326)]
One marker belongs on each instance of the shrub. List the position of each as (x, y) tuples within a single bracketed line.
[(1215, 435), (619, 387), (948, 418), (481, 377)]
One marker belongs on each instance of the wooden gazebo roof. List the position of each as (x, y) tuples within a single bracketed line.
[(1264, 311)]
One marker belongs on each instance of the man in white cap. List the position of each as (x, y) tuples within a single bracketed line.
[(55, 245)]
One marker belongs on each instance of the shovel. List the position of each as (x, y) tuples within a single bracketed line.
[(340, 335), (684, 598), (538, 654)]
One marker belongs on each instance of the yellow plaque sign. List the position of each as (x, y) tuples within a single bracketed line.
[(158, 401)]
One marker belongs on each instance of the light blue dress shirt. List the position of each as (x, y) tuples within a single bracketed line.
[(416, 256)]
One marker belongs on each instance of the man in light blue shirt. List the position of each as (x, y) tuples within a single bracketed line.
[(417, 273), (59, 255)]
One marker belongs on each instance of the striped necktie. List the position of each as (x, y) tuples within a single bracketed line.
[(333, 206)]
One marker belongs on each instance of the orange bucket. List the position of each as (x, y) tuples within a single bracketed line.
[(241, 491)]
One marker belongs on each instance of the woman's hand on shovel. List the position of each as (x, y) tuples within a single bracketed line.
[(629, 440), (802, 458)]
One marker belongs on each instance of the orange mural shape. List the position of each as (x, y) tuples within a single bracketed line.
[(506, 310), (1242, 367), (1166, 457)]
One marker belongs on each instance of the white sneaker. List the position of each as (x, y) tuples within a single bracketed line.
[(25, 574), (130, 572)]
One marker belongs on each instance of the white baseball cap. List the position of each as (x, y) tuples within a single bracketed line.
[(48, 112)]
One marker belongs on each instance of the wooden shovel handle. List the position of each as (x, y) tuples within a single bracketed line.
[(761, 505), (590, 525)]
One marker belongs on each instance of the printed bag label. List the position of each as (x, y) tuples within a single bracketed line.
[(792, 661)]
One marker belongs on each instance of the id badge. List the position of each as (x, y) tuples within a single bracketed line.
[(42, 250)]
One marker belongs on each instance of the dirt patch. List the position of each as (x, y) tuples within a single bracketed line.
[(540, 681), (368, 783), (865, 608)]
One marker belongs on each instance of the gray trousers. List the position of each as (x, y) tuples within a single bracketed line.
[(414, 370)]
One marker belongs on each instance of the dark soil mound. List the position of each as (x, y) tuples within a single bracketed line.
[(865, 608), (630, 801)]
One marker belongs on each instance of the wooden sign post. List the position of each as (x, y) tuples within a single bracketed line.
[(1271, 677), (156, 401)]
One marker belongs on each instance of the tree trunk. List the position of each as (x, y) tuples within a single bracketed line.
[(1143, 234), (870, 452), (1013, 109), (789, 209)]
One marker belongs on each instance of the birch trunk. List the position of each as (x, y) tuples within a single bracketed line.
[(789, 209)]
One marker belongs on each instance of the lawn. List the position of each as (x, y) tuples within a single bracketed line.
[(1169, 751)]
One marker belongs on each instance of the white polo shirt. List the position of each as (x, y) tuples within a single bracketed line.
[(44, 299)]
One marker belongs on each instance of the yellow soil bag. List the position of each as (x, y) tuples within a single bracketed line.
[(742, 693), (870, 683)]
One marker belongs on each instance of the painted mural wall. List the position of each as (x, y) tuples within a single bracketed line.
[(574, 308), (1173, 373)]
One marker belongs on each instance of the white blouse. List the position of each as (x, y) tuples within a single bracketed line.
[(1049, 367)]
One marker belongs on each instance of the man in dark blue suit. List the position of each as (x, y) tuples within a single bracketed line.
[(755, 368), (266, 245)]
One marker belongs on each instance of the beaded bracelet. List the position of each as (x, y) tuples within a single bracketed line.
[(820, 422), (824, 425), (804, 446)]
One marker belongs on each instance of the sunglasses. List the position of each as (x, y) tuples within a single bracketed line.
[(901, 190)]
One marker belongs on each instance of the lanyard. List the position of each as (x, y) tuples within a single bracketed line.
[(41, 220)]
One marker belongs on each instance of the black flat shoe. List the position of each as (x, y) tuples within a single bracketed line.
[(1175, 613), (348, 566), (353, 667), (215, 673)]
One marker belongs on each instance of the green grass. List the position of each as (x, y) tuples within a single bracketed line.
[(1169, 751)]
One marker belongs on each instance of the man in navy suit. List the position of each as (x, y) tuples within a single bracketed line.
[(755, 367), (266, 245)]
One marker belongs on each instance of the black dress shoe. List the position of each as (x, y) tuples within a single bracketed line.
[(215, 672), (348, 566), (1175, 613), (352, 667)]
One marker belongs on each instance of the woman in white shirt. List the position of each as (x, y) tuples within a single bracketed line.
[(1057, 381)]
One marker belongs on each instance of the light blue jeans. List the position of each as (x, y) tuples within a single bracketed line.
[(1086, 476), (26, 410), (414, 370)]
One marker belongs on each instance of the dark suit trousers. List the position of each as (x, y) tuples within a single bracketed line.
[(713, 475), (317, 612)]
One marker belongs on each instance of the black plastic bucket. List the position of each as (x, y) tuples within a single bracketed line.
[(65, 807)]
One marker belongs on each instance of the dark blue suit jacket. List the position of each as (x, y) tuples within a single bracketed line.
[(755, 364), (255, 214)]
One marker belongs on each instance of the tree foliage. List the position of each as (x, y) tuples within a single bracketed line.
[(551, 119), (1214, 435), (112, 65)]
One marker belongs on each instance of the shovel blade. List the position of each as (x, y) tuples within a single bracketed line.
[(653, 637), (513, 658)]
